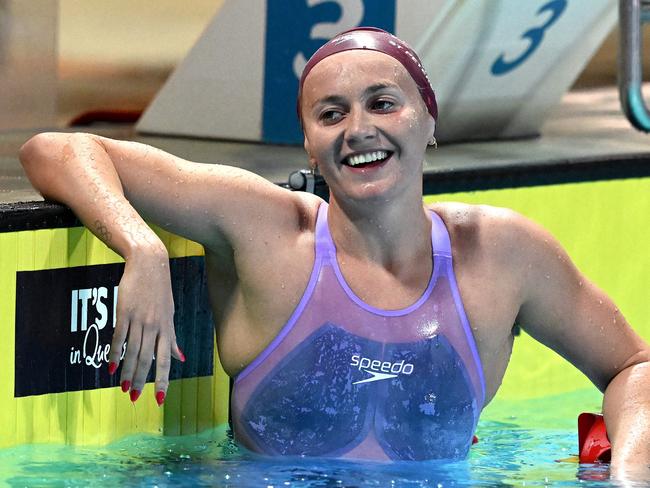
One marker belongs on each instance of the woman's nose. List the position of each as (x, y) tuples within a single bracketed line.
[(360, 127)]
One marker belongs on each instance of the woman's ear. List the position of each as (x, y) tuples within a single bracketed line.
[(312, 161), (306, 146), (432, 127)]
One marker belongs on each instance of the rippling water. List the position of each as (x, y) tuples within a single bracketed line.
[(521, 444)]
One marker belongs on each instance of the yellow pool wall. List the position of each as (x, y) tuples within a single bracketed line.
[(92, 417)]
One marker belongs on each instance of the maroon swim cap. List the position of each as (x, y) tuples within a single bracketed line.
[(374, 39)]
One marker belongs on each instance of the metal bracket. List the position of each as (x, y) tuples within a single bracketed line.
[(302, 180), (632, 15), (308, 181)]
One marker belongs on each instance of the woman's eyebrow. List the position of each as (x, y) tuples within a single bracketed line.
[(383, 85), (331, 99)]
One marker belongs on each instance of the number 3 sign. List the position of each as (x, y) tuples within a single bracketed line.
[(536, 34)]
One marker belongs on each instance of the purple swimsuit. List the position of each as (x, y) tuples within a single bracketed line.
[(345, 379)]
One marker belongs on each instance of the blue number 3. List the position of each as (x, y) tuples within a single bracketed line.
[(501, 66)]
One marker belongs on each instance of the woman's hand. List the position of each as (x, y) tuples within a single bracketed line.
[(145, 315)]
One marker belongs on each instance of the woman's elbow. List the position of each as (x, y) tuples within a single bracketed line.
[(38, 150), (43, 156)]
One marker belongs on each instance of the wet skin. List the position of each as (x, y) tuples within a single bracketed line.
[(259, 241)]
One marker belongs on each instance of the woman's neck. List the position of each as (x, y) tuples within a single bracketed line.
[(392, 233)]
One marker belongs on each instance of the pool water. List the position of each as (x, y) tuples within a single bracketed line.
[(522, 443)]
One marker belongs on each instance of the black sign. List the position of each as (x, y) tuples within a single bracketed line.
[(65, 320)]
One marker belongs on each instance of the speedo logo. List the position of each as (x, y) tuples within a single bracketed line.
[(380, 370)]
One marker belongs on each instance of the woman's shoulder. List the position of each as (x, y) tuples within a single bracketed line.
[(464, 216), (486, 230)]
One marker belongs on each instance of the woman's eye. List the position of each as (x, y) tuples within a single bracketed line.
[(382, 105), (331, 116)]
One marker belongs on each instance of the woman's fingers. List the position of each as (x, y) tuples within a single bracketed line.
[(131, 356), (117, 344), (163, 364), (143, 359), (176, 352), (142, 340)]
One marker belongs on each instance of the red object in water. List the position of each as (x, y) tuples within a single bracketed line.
[(593, 443), (474, 440)]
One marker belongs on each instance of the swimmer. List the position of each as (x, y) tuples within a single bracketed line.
[(370, 327)]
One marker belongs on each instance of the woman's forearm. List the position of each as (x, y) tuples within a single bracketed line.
[(74, 169), (627, 414)]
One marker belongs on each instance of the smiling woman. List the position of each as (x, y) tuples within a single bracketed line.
[(371, 327)]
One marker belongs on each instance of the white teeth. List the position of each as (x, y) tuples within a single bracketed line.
[(366, 157)]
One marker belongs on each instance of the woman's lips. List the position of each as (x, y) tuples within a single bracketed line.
[(366, 160), (367, 167)]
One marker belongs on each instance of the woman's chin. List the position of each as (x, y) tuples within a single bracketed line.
[(376, 192)]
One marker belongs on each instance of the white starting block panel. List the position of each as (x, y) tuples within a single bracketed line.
[(497, 66)]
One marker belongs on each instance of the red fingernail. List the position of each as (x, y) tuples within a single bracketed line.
[(126, 385), (182, 355), (135, 394), (112, 367), (160, 397)]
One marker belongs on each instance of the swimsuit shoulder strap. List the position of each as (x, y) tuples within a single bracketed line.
[(441, 243), (440, 240), (324, 243)]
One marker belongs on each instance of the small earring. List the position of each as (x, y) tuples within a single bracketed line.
[(433, 142)]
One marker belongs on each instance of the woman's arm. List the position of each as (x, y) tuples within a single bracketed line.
[(565, 311), (111, 185)]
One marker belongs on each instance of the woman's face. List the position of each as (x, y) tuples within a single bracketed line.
[(365, 124)]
